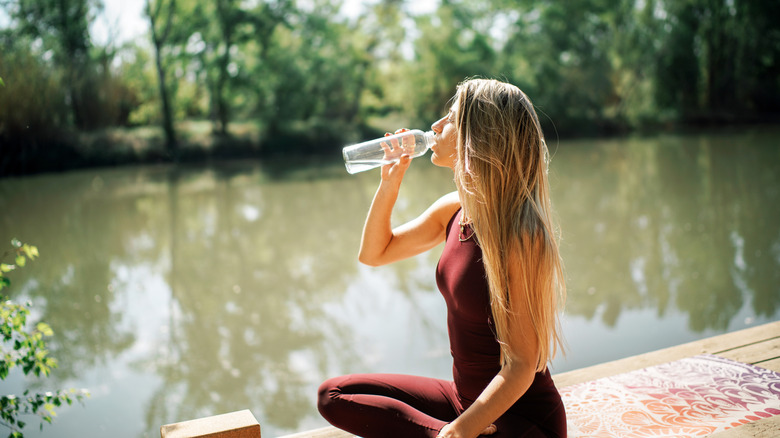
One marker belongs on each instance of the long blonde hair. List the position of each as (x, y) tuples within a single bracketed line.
[(501, 175)]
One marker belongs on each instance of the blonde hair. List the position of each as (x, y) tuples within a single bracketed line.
[(501, 174)]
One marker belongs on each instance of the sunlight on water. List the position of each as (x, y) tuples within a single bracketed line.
[(176, 294)]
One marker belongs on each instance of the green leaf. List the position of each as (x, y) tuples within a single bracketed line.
[(31, 251), (6, 268), (44, 328), (21, 261), (1, 82)]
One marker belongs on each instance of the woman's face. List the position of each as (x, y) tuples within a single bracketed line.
[(445, 147)]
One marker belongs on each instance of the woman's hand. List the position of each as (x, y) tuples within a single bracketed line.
[(448, 431), (394, 172)]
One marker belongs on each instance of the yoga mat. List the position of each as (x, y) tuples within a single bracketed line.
[(691, 397)]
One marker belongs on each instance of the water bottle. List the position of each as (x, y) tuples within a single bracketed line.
[(385, 150)]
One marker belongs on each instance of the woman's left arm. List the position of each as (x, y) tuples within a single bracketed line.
[(512, 381)]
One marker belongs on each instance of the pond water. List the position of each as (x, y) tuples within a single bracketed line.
[(177, 293)]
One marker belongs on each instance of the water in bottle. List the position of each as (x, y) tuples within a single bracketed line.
[(385, 150)]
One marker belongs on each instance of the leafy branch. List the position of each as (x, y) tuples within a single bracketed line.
[(21, 252), (26, 348)]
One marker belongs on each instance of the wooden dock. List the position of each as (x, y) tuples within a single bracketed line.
[(758, 346)]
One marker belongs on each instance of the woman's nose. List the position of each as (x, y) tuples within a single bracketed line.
[(436, 126)]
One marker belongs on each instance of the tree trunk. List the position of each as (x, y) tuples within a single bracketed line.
[(171, 144)]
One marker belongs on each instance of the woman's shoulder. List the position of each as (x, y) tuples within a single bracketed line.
[(446, 207), (450, 200)]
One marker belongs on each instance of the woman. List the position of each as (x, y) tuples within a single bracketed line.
[(500, 274)]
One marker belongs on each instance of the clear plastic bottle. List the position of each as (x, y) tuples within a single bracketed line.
[(385, 150)]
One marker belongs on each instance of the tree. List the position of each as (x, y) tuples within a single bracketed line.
[(453, 45), (159, 40), (313, 71), (229, 19), (27, 349), (64, 27), (33, 108)]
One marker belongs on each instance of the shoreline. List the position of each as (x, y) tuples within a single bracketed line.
[(196, 144)]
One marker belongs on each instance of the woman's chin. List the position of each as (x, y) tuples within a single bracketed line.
[(437, 161)]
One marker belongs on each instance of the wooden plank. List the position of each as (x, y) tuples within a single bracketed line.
[(240, 424), (764, 428), (754, 353), (773, 364)]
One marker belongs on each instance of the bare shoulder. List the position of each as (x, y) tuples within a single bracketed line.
[(452, 198), (444, 207)]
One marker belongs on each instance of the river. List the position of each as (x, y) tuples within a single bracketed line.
[(181, 292)]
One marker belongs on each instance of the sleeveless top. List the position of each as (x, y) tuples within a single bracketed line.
[(461, 278)]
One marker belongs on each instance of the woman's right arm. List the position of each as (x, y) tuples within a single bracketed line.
[(381, 244)]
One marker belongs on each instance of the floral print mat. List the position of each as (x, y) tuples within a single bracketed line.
[(691, 397)]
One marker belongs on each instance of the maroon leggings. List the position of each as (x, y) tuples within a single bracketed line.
[(392, 405)]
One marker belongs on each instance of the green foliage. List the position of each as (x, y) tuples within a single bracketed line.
[(317, 74), (62, 30), (306, 73), (25, 348), (138, 75), (34, 106)]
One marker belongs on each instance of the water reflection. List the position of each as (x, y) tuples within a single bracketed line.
[(682, 222), (179, 293)]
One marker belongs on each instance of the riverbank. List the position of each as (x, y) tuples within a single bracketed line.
[(196, 142)]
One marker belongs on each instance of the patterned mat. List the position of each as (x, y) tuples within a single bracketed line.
[(692, 397)]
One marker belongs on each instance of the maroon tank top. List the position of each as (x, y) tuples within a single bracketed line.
[(461, 278), (462, 281)]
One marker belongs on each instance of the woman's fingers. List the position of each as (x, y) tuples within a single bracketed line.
[(394, 172), (386, 147), (447, 431), (394, 148), (390, 146), (396, 169), (490, 430)]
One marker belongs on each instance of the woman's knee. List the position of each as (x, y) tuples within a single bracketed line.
[(327, 394)]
